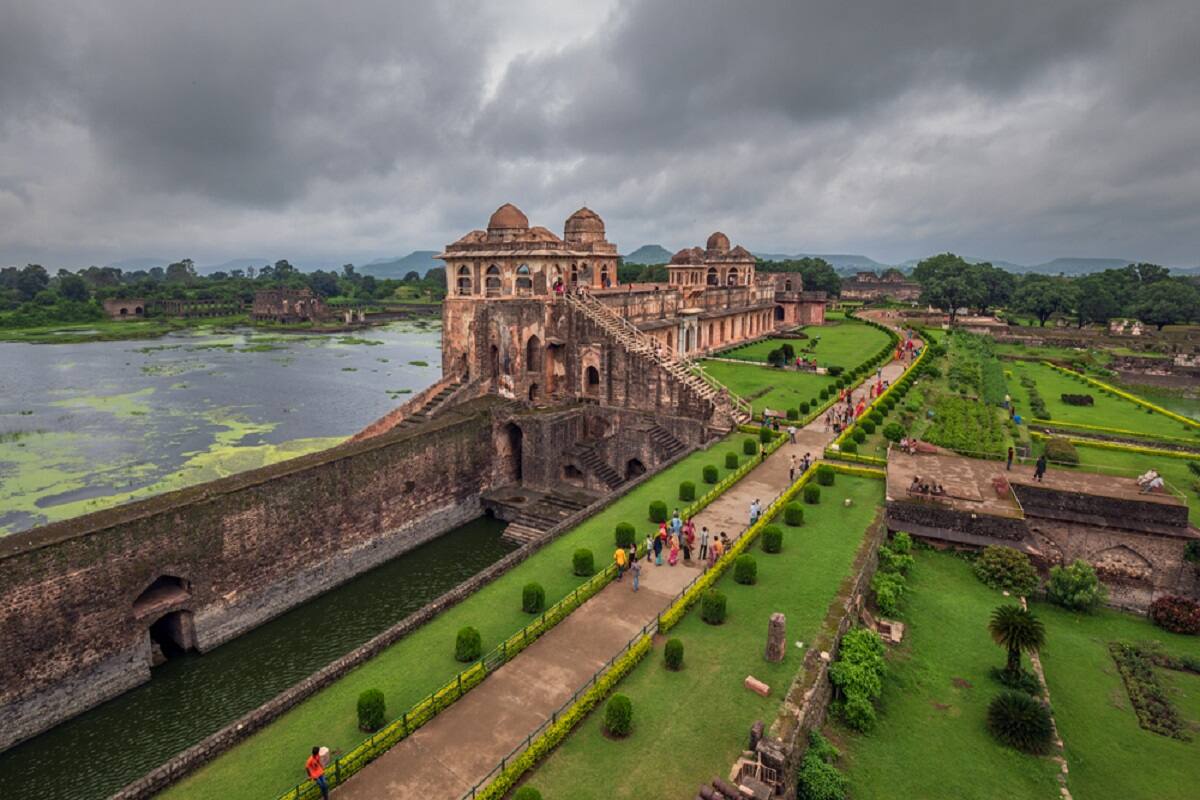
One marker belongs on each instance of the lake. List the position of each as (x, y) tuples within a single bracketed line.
[(88, 426)]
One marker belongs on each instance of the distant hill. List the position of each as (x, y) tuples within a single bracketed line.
[(649, 254), (848, 263), (1078, 266), (419, 260)]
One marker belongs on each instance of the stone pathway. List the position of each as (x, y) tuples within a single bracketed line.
[(457, 749)]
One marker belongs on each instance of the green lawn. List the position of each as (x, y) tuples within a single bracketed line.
[(691, 724), (271, 761), (931, 741), (1107, 412), (768, 387), (845, 344), (1109, 754)]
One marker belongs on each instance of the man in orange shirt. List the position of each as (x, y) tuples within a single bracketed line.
[(316, 772)]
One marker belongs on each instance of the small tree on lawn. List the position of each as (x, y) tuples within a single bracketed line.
[(1017, 630)]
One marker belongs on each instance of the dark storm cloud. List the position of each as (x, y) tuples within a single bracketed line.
[(1020, 130)]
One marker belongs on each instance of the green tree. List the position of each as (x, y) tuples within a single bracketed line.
[(323, 283), (998, 286), (1042, 295), (1017, 630), (73, 287), (1096, 301), (181, 271), (1166, 303), (950, 283), (31, 280), (412, 276)]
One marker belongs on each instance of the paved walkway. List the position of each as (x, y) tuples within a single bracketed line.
[(457, 749)]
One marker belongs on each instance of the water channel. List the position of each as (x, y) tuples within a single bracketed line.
[(190, 697)]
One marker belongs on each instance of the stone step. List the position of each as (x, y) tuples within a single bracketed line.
[(520, 534)]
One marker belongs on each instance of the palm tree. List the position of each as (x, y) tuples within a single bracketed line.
[(1017, 630)]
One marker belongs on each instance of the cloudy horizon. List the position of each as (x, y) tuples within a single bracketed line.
[(1021, 131)]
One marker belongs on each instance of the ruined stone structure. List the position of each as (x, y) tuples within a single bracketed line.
[(125, 309), (288, 306), (192, 309), (867, 286)]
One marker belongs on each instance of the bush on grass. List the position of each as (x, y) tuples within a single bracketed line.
[(527, 793), (765, 434), (835, 370), (850, 447), (372, 711), (867, 427), (812, 494), (793, 414), (673, 655), (624, 534), (731, 461), (1021, 722), (893, 431), (687, 490), (793, 514), (892, 561), (1061, 451), (749, 447), (618, 716), (1022, 680), (805, 407), (712, 607), (825, 475), (902, 542), (858, 434), (468, 645), (1076, 587), (858, 677), (658, 511), (1078, 399), (582, 563), (888, 588), (818, 778), (710, 473), (533, 598), (823, 394), (875, 417), (745, 570), (1176, 614), (772, 539), (1006, 569)]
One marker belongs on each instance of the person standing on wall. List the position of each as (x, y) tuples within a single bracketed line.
[(316, 772), (1039, 469), (1011, 453)]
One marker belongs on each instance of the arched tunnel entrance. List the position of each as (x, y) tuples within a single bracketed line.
[(162, 606)]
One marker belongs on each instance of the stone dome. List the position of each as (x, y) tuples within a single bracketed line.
[(508, 217), (584, 221), (719, 242)]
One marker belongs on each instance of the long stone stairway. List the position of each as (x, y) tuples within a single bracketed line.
[(549, 510), (431, 405), (635, 341), (666, 442), (585, 453)]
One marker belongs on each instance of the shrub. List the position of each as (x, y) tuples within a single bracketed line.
[(850, 447), (1078, 399), (892, 561), (624, 534), (834, 370), (618, 716), (889, 402), (1061, 451), (765, 435), (745, 570), (823, 394), (825, 475), (812, 494), (527, 793), (731, 461), (1176, 614), (712, 607), (1076, 587), (468, 646), (773, 538), (1022, 680), (687, 489), (749, 447), (818, 778), (805, 407), (533, 598), (372, 711), (658, 511), (710, 473), (583, 563), (867, 427), (1021, 722), (888, 588), (793, 413), (858, 434), (858, 677), (893, 431), (875, 417), (793, 514), (673, 654), (902, 542), (1006, 569)]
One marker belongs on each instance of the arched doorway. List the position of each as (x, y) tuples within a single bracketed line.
[(711, 278), (591, 381), (492, 281), (633, 468), (779, 313), (533, 354), (515, 438), (533, 392), (572, 475), (524, 280)]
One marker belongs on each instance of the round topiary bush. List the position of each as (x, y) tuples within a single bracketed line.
[(749, 447), (658, 511), (850, 447), (712, 607), (805, 407), (867, 427), (527, 793), (875, 417), (825, 475), (624, 534), (793, 413), (582, 563), (533, 598), (372, 711), (711, 473), (745, 570), (823, 394), (673, 655), (687, 491), (1021, 722), (618, 716), (773, 538), (468, 646), (858, 434), (812, 494), (731, 461), (893, 431), (765, 435), (1006, 569), (793, 514)]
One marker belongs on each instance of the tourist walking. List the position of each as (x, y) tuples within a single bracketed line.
[(792, 469), (658, 548), (806, 462), (636, 569), (753, 511), (649, 547), (676, 523), (620, 557), (674, 556), (703, 543), (1011, 453), (689, 540), (792, 433), (316, 772), (1039, 469)]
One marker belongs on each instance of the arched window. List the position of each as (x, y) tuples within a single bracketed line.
[(604, 280), (464, 280), (787, 286), (574, 274), (524, 280), (533, 354), (591, 382), (492, 281), (732, 278), (711, 279)]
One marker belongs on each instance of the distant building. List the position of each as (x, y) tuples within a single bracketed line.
[(288, 306), (1131, 327), (125, 309), (892, 284), (192, 309)]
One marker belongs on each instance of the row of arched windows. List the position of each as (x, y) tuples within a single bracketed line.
[(523, 284)]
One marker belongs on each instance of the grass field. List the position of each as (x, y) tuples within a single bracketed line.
[(784, 388), (669, 753), (931, 741), (1109, 754), (846, 344), (1108, 411), (271, 761)]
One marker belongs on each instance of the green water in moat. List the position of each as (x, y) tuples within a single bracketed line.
[(190, 697)]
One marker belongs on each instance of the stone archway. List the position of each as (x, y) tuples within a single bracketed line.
[(515, 438), (591, 381), (162, 607), (633, 468)]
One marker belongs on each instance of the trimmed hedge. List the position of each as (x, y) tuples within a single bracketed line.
[(764, 435), (745, 570), (582, 563), (533, 598), (624, 534), (793, 514), (687, 490), (711, 474), (773, 538), (858, 434), (867, 426), (658, 511), (468, 645), (812, 494), (749, 447), (793, 414), (673, 655), (731, 461), (372, 711), (618, 716), (712, 607), (805, 407), (850, 447), (825, 475)]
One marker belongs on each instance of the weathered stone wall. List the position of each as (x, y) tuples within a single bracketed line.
[(1044, 501), (934, 515), (246, 548)]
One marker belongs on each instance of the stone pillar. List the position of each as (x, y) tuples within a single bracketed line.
[(776, 638)]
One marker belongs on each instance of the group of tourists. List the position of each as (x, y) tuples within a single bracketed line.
[(675, 540), (1151, 481), (801, 465), (919, 486)]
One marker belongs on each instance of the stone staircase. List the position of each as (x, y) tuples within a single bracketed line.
[(431, 405), (532, 523), (635, 341), (666, 442), (585, 453)]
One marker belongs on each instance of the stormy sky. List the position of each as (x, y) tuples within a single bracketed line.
[(1021, 130)]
